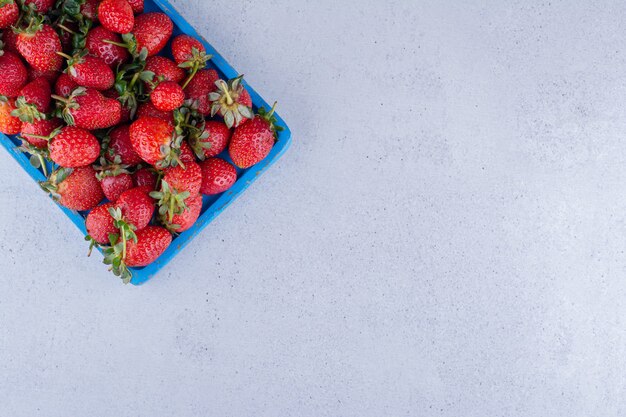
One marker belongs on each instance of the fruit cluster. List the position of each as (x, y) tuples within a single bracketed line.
[(131, 137)]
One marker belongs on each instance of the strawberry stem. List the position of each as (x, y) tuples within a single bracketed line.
[(123, 45), (65, 28), (64, 55), (43, 165), (229, 99), (192, 74)]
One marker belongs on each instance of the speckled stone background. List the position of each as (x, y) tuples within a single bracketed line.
[(444, 238)]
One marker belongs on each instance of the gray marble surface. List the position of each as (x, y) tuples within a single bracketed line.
[(444, 238)]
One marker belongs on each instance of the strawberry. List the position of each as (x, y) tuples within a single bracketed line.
[(119, 145), (114, 186), (89, 9), (189, 53), (50, 76), (100, 224), (148, 110), (9, 13), (183, 221), (167, 96), (199, 89), (9, 37), (14, 74), (91, 72), (40, 6), (217, 176), (89, 109), (143, 249), (40, 44), (186, 154), (152, 31), (137, 6), (126, 113), (253, 141), (9, 124), (231, 101), (145, 177), (155, 141), (116, 15), (211, 141), (177, 185), (34, 101), (136, 206), (77, 189), (64, 85), (113, 55), (74, 147), (165, 69), (34, 132)]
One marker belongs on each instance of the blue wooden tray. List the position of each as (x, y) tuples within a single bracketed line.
[(213, 205)]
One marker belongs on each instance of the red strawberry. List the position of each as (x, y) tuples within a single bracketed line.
[(116, 15), (182, 179), (152, 31), (113, 55), (145, 177), (137, 207), (217, 176), (89, 109), (91, 72), (182, 47), (186, 154), (182, 222), (9, 124), (114, 186), (64, 85), (40, 44), (9, 13), (165, 68), (148, 110), (167, 96), (199, 89), (9, 37), (14, 74), (253, 141), (50, 76), (41, 6), (151, 243), (77, 189), (120, 145), (177, 186), (90, 9), (74, 147), (39, 128), (155, 141), (100, 224), (212, 141), (231, 101), (137, 6), (34, 101), (126, 113)]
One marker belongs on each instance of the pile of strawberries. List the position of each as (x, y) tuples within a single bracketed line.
[(133, 136)]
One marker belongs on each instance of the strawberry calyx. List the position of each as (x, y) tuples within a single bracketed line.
[(66, 105), (225, 101), (197, 61), (27, 112), (105, 168), (51, 185), (38, 156), (127, 85), (115, 254), (171, 202), (130, 43), (270, 118), (34, 19)]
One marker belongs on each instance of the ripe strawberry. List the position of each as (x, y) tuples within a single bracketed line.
[(137, 6), (119, 145), (145, 177), (217, 176), (64, 85), (74, 147), (77, 189), (199, 89), (50, 76), (116, 15), (40, 6), (90, 9), (167, 96), (165, 68), (152, 31), (40, 129), (89, 109), (186, 154), (34, 101), (137, 207), (126, 113), (14, 74), (253, 141), (147, 109), (91, 72), (9, 13), (177, 185), (211, 141), (182, 222), (231, 101), (155, 141), (114, 186), (40, 44), (189, 53), (113, 55), (9, 38), (9, 124), (151, 243), (100, 224)]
